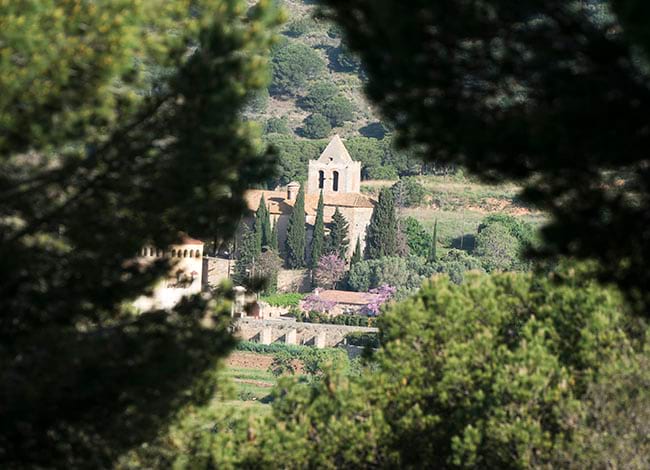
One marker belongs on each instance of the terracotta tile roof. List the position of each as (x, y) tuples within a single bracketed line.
[(187, 240), (278, 203), (347, 297), (341, 200)]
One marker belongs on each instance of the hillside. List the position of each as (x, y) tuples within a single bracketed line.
[(459, 204), (317, 90), (333, 67)]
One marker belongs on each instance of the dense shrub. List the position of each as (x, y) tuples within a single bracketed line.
[(375, 130), (387, 172), (338, 110), (324, 98), (315, 361), (518, 228), (316, 126), (299, 27), (283, 363), (353, 320), (250, 346), (455, 264), (319, 93), (343, 319), (497, 249), (293, 156), (408, 192), (276, 125), (292, 67), (523, 231), (417, 238), (366, 340), (370, 152), (405, 274)]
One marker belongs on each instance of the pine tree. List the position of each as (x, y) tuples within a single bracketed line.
[(338, 242), (356, 256), (274, 238), (381, 239), (318, 240), (296, 233), (263, 224), (433, 256), (130, 152), (246, 256)]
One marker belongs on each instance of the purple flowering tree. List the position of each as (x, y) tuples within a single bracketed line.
[(382, 294), (313, 303), (329, 271)]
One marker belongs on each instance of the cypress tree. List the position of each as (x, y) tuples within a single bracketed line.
[(381, 239), (274, 238), (263, 225), (246, 256), (338, 242), (318, 240), (433, 253), (356, 256), (296, 233)]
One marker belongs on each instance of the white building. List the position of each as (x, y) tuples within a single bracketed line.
[(183, 279)]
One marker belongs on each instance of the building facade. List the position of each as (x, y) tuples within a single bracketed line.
[(339, 178), (184, 278)]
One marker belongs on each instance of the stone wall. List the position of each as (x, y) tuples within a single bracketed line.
[(358, 219), (294, 280), (216, 270), (289, 331)]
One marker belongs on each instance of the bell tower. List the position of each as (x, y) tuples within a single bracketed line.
[(334, 172)]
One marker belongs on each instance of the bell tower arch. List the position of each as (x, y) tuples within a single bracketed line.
[(334, 171)]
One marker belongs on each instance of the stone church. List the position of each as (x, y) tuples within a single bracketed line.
[(334, 173), (339, 178)]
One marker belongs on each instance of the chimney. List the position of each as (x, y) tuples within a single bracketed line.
[(292, 190)]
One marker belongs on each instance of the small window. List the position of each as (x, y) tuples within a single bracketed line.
[(335, 181), (150, 251), (185, 254), (321, 179), (198, 254), (173, 253)]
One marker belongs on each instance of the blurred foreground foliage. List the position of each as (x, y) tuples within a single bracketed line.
[(550, 94), (504, 371), (119, 127)]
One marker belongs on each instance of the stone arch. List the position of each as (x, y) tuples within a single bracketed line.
[(335, 180)]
